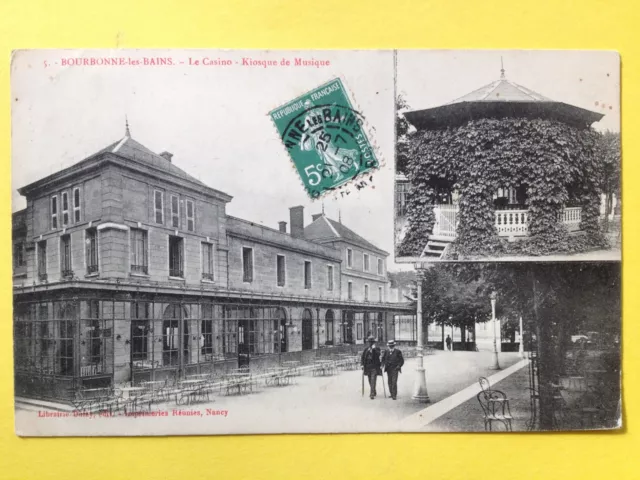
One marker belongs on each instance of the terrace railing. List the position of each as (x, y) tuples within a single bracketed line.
[(509, 223)]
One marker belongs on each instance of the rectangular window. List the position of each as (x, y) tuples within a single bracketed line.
[(54, 212), (366, 293), (95, 336), (18, 255), (350, 291), (140, 314), (176, 247), (247, 264), (402, 190), (175, 211), (42, 260), (65, 256), (330, 277), (380, 298), (281, 273), (76, 205), (380, 267), (139, 251), (65, 209), (191, 215), (92, 250), (158, 206), (307, 274), (207, 261), (349, 258), (366, 262), (359, 331)]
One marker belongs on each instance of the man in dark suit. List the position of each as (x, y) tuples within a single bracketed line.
[(392, 362), (370, 362)]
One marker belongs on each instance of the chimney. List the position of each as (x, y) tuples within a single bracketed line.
[(297, 221), (316, 216), (167, 155), (282, 226)]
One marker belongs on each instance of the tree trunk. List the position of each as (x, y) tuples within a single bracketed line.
[(545, 359)]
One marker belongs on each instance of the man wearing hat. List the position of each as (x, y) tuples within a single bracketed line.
[(392, 362), (371, 365)]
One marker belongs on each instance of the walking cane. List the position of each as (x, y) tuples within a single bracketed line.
[(383, 387), (363, 382)]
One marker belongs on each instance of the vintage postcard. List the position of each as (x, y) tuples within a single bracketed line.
[(204, 243)]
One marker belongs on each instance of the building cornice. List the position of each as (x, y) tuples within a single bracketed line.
[(75, 287), (365, 275)]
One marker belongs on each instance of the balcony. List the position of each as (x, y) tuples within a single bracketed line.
[(175, 272), (509, 223), (67, 274), (92, 269), (140, 269)]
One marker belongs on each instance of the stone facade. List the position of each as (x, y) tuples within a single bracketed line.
[(126, 228)]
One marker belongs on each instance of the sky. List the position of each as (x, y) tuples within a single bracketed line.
[(587, 79)]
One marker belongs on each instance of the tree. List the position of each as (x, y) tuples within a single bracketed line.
[(608, 154), (555, 301), (402, 135)]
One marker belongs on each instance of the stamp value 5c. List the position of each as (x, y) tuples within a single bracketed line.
[(325, 138)]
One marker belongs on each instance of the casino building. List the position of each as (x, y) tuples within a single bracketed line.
[(127, 268)]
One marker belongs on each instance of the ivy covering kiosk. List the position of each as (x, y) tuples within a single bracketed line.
[(502, 170)]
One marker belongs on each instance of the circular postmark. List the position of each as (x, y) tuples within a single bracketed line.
[(328, 146)]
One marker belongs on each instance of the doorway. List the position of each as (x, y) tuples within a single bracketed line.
[(307, 329), (175, 327)]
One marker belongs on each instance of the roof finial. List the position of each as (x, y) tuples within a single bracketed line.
[(323, 209), (340, 216), (501, 69), (127, 133)]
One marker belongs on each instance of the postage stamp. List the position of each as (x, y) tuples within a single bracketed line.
[(325, 138)]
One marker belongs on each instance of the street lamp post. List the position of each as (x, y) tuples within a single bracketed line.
[(521, 346), (420, 385), (496, 363)]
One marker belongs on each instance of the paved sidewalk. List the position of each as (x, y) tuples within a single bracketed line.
[(313, 404)]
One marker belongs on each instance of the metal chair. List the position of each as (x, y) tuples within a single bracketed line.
[(495, 408)]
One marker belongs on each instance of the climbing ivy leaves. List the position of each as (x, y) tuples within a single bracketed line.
[(556, 163)]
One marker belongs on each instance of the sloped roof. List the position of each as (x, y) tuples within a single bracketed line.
[(501, 98), (131, 149), (502, 90), (323, 230)]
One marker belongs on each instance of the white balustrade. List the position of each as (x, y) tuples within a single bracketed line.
[(512, 223), (509, 223), (572, 217)]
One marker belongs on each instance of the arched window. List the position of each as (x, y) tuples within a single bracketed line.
[(328, 327), (347, 327)]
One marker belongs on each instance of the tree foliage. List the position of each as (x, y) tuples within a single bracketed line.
[(557, 163), (402, 133)]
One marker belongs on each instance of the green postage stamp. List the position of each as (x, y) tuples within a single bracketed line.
[(325, 138)]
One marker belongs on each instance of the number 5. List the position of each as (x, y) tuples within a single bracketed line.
[(312, 175)]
